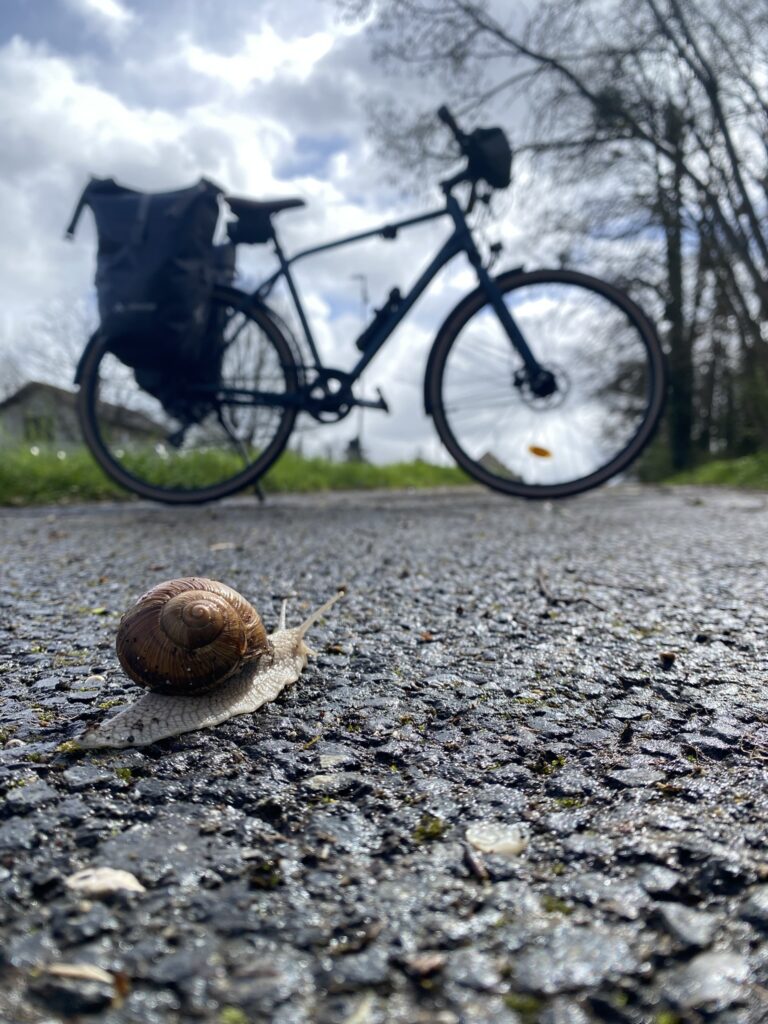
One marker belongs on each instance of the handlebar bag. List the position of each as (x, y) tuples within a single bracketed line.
[(155, 269), (490, 156)]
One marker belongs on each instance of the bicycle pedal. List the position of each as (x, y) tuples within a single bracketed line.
[(382, 403)]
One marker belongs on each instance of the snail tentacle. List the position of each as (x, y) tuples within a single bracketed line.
[(318, 613)]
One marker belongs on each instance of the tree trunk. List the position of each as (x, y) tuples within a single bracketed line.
[(680, 414)]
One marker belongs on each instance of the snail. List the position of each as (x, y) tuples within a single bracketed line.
[(205, 656)]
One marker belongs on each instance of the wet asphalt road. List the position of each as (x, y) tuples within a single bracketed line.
[(589, 680)]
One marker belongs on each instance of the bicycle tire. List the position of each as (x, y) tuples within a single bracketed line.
[(210, 472), (471, 346)]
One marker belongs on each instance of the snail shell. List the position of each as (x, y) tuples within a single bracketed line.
[(188, 635), (258, 679)]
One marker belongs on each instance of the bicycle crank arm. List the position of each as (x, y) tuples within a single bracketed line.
[(379, 403)]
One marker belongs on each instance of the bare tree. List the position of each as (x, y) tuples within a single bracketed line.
[(46, 345), (654, 115), (12, 376)]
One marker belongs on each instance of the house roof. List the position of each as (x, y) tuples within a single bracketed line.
[(115, 414), (32, 386)]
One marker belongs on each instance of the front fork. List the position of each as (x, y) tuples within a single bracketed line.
[(540, 381)]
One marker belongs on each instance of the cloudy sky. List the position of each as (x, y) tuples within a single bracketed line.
[(266, 98)]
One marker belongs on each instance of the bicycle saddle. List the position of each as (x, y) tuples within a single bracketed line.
[(254, 218), (268, 206)]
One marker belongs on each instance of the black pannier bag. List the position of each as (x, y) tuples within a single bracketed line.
[(155, 270), (169, 384)]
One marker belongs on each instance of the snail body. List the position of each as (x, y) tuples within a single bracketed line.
[(221, 669)]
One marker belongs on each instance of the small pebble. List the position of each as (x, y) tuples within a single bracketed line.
[(755, 909), (711, 982), (691, 927), (497, 838)]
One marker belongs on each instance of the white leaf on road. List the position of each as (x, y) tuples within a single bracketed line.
[(103, 882)]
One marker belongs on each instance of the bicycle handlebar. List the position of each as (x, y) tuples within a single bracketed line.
[(447, 118), (488, 155)]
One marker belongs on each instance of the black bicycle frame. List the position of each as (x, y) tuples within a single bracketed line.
[(384, 323)]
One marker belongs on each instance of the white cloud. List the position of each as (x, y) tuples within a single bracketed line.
[(263, 56), (110, 16)]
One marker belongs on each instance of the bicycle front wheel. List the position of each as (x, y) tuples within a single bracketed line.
[(185, 438), (609, 378)]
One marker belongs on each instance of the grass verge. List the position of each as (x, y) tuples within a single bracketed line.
[(750, 471), (294, 473), (49, 478)]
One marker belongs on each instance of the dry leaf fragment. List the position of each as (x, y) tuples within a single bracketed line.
[(122, 982), (103, 882), (80, 972), (422, 964)]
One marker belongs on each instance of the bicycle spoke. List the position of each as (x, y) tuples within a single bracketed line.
[(479, 409), (477, 396)]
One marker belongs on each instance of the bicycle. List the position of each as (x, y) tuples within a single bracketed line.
[(541, 384)]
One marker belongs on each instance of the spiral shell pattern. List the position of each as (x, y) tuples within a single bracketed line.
[(188, 635)]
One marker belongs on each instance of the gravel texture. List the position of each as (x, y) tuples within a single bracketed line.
[(581, 686)]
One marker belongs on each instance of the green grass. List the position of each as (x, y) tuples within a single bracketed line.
[(750, 471), (27, 479), (45, 478), (293, 473)]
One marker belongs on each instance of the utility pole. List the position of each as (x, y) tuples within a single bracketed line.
[(355, 447)]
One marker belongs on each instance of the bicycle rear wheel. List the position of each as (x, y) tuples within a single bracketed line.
[(609, 374), (178, 440)]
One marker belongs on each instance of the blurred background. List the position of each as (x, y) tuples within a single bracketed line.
[(640, 135)]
